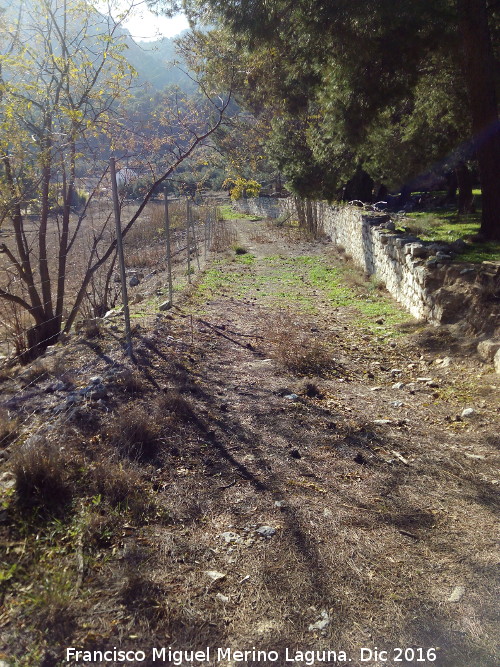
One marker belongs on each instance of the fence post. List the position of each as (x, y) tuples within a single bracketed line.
[(121, 258), (193, 229), (188, 240), (169, 257), (205, 244)]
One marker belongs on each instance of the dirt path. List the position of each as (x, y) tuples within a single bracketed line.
[(319, 487), (379, 503)]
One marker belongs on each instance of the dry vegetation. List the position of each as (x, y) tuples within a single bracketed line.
[(297, 349), (117, 512)]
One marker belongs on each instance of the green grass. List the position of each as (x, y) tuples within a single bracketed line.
[(229, 213), (443, 225), (448, 226), (247, 258), (305, 283), (481, 252)]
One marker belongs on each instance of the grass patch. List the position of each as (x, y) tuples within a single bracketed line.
[(229, 213), (447, 226), (44, 473), (278, 280), (482, 252)]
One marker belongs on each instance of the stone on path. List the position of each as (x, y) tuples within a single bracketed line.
[(496, 361), (323, 622), (214, 575), (229, 536), (457, 594)]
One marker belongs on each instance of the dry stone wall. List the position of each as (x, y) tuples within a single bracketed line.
[(426, 278)]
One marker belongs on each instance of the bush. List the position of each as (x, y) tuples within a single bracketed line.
[(135, 434), (174, 406), (9, 428), (240, 250), (294, 348), (43, 472)]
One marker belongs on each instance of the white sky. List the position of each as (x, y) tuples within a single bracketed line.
[(141, 23), (144, 25)]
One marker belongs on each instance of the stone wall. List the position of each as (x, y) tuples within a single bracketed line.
[(428, 279)]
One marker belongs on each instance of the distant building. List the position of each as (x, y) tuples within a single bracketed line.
[(125, 176)]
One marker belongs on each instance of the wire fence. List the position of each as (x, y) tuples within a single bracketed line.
[(186, 246)]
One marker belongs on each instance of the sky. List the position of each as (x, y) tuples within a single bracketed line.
[(143, 24)]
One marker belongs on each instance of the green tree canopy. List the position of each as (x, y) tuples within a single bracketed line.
[(394, 86)]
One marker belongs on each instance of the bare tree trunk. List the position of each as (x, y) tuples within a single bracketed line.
[(479, 70), (68, 189), (44, 218), (24, 267), (465, 196)]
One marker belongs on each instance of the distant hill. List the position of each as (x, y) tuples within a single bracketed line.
[(153, 61)]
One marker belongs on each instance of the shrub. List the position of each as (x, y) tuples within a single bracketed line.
[(240, 250), (9, 428), (135, 434), (43, 472), (294, 348), (174, 406)]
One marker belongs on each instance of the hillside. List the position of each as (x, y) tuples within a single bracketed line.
[(153, 61), (279, 469)]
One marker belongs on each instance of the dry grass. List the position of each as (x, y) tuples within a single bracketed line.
[(131, 381), (135, 433), (175, 407), (9, 428), (44, 472), (147, 257), (224, 236), (89, 329), (120, 486), (53, 609), (376, 544), (294, 347), (37, 372)]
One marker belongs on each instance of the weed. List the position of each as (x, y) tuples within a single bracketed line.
[(310, 387), (174, 406), (247, 258), (130, 381), (9, 428), (91, 329), (135, 434), (52, 607), (223, 236), (228, 213), (43, 472), (37, 372), (240, 250), (147, 257), (137, 591), (294, 348), (100, 529)]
